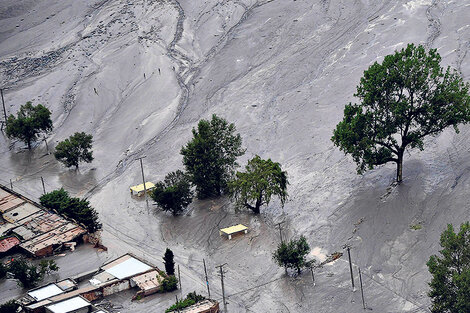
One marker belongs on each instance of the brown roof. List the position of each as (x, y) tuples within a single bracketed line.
[(8, 202), (148, 281), (8, 243)]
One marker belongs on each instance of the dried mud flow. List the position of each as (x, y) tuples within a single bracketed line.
[(139, 74)]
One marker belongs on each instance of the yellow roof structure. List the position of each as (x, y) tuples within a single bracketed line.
[(234, 229), (140, 187)]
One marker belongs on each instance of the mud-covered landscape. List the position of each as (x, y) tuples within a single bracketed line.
[(139, 74)]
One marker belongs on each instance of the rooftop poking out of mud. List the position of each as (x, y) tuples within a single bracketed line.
[(139, 74)]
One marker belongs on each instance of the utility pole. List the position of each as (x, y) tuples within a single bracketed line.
[(47, 146), (11, 185), (313, 276), (222, 282), (143, 180), (4, 110), (207, 281), (179, 278), (350, 267), (280, 230), (280, 235), (43, 188), (177, 306), (362, 290)]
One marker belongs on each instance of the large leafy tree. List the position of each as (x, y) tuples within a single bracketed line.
[(74, 208), (450, 284), (75, 149), (292, 254), (261, 180), (174, 194), (404, 99), (28, 275), (30, 121), (210, 157)]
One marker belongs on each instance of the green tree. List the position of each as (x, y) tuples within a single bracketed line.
[(168, 260), (210, 157), (406, 98), (292, 254), (174, 194), (75, 149), (261, 180), (74, 208), (169, 283), (450, 283), (28, 275), (30, 121), (9, 307)]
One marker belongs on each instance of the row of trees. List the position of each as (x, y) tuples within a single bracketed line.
[(32, 120), (74, 208), (210, 159)]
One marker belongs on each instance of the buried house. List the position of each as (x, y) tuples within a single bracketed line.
[(123, 273), (27, 226)]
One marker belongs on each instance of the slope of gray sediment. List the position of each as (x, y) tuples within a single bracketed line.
[(138, 75)]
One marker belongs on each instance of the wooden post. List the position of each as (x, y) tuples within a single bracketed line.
[(179, 278), (223, 288), (11, 185), (4, 110)]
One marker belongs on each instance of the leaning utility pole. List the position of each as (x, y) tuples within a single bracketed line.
[(222, 282), (280, 230), (207, 281), (362, 290), (4, 110), (43, 188), (179, 278), (350, 267), (143, 180)]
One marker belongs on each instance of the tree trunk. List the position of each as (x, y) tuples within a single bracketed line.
[(29, 144), (298, 270), (400, 166), (257, 207)]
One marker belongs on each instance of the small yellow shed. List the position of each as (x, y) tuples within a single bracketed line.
[(139, 189), (233, 230)]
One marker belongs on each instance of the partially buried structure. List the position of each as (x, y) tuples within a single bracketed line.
[(26, 225), (123, 273)]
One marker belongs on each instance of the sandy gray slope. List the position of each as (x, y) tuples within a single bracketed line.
[(138, 75)]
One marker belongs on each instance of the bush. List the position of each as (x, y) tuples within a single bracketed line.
[(292, 254), (9, 307), (28, 275), (74, 208), (168, 284), (75, 149), (191, 298)]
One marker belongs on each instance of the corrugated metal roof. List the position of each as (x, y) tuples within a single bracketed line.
[(20, 212), (69, 305), (45, 292), (128, 268), (148, 281), (8, 243), (234, 229)]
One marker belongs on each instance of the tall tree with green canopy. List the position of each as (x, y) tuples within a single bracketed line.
[(450, 284), (210, 157), (168, 260), (75, 149), (174, 194), (404, 99), (292, 254), (261, 180), (30, 121)]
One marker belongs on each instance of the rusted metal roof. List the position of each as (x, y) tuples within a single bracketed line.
[(9, 202), (8, 243), (57, 236)]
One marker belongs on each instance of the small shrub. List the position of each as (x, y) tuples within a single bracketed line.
[(9, 307), (191, 298), (168, 284)]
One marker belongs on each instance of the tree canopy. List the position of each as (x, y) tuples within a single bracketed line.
[(74, 208), (210, 157), (30, 121), (261, 180), (75, 149), (404, 99), (168, 260), (174, 194), (28, 275), (292, 254), (450, 284)]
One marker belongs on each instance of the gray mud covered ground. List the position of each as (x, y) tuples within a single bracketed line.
[(139, 74)]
